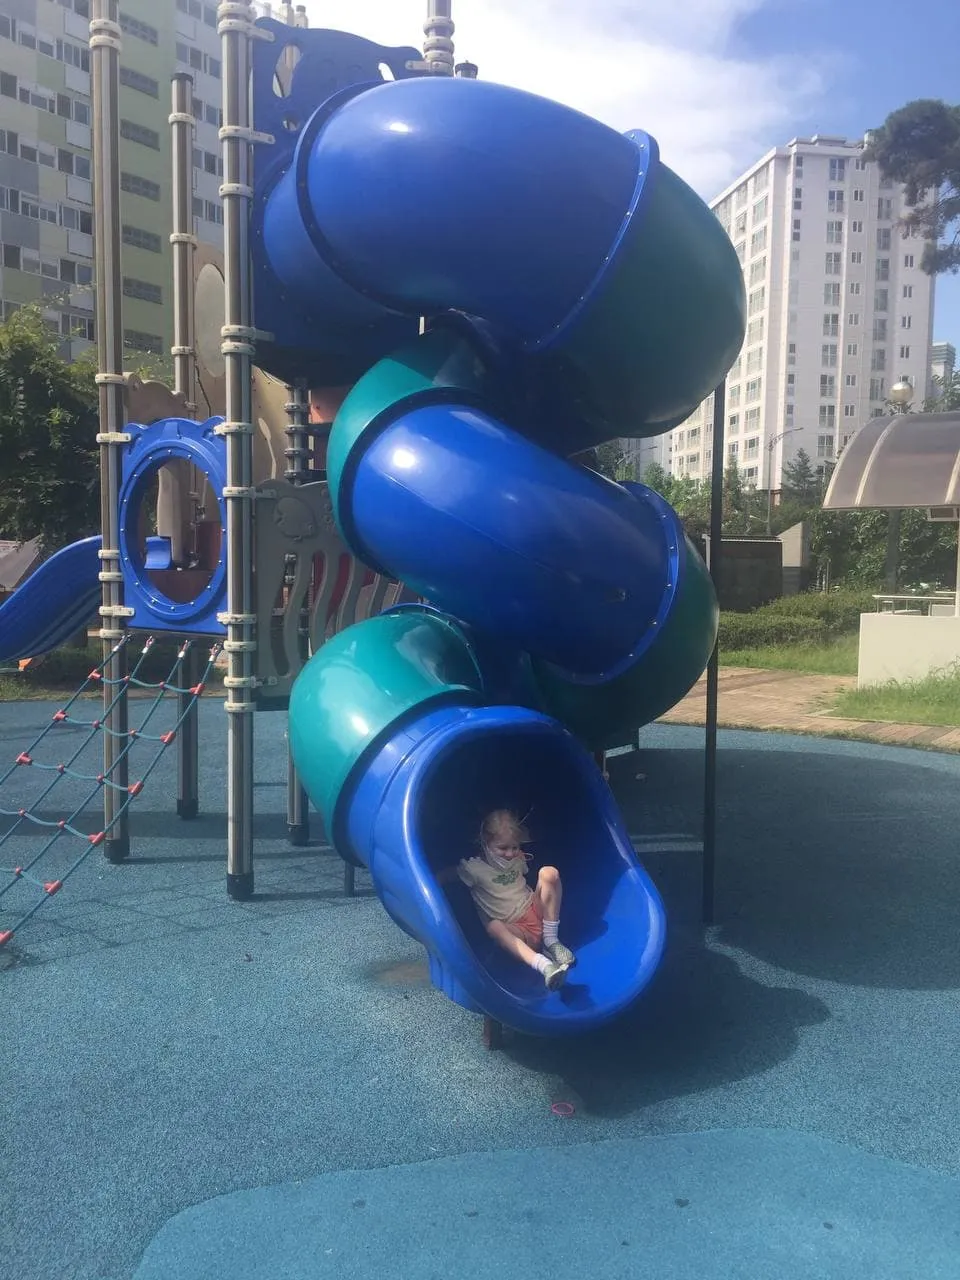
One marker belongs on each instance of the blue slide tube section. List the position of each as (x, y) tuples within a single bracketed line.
[(561, 562), (416, 809), (57, 599), (367, 185)]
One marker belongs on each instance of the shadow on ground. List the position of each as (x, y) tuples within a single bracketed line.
[(839, 867)]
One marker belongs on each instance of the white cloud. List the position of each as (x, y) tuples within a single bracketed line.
[(632, 63)]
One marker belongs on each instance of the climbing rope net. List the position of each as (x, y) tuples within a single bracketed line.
[(34, 875)]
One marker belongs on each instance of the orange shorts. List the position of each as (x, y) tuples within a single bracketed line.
[(530, 924)]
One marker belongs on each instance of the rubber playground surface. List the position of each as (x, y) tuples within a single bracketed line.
[(195, 1087)]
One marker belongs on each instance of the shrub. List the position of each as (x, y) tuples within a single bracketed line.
[(752, 630)]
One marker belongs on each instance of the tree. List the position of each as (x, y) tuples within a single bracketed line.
[(800, 479), (49, 458), (946, 395), (919, 146), (609, 460)]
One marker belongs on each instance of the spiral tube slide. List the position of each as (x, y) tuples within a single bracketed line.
[(588, 293), (58, 598)]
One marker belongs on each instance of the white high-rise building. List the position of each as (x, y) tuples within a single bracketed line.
[(838, 310)]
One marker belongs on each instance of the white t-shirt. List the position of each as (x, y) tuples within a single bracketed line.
[(499, 893)]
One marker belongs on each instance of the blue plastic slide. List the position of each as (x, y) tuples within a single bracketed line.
[(578, 291), (58, 598)]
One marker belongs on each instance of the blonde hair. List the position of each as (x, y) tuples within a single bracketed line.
[(503, 822)]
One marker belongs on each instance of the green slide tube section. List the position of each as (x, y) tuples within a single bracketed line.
[(366, 680), (607, 715), (662, 324)]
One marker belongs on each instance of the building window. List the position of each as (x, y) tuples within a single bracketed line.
[(853, 317), (878, 360), (754, 359), (881, 299), (751, 420), (796, 228), (797, 199), (741, 250), (751, 447), (761, 180), (740, 197), (906, 322), (908, 260), (831, 295), (733, 423), (791, 353), (883, 269), (856, 228), (733, 396), (853, 348), (859, 165), (883, 239), (143, 84), (788, 414), (139, 133), (141, 239), (877, 389), (834, 233), (759, 211), (908, 290), (141, 30), (838, 170), (828, 355), (831, 324), (904, 353), (856, 258), (755, 330), (884, 208), (880, 330), (758, 269), (849, 411), (857, 195), (753, 389), (142, 289), (825, 443), (138, 186), (850, 380), (758, 242), (757, 301), (833, 264), (828, 385), (835, 202), (137, 341), (733, 449)]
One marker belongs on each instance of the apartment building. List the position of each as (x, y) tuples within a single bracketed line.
[(838, 309), (46, 213), (943, 362)]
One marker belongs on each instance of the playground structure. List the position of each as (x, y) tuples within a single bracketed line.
[(479, 331)]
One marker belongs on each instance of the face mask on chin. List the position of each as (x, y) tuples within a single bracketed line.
[(502, 864)]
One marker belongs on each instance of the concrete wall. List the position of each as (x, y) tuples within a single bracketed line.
[(896, 646)]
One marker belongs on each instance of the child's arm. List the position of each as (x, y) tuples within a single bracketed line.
[(448, 875)]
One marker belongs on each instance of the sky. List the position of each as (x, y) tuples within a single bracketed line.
[(717, 82)]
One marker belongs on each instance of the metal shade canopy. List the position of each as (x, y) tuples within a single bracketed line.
[(905, 460)]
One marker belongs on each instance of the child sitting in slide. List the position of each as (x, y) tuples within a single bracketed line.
[(522, 920)]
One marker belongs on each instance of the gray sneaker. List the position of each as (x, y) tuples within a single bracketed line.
[(560, 954), (555, 975)]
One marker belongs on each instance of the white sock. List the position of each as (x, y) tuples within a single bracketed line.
[(541, 963), (550, 931)]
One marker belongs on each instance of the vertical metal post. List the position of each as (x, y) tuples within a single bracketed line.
[(184, 244), (708, 887), (234, 22), (105, 45), (438, 46), (297, 454)]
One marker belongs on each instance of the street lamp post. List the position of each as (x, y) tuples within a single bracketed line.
[(900, 395), (774, 440)]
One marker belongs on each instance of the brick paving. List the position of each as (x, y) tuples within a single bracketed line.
[(794, 702)]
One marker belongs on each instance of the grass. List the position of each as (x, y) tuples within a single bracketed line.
[(934, 700), (834, 658)]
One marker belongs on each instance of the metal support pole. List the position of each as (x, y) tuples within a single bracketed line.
[(297, 456), (105, 48), (184, 244), (708, 887), (234, 23), (438, 46)]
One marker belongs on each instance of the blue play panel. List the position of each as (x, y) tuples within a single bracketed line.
[(195, 1087)]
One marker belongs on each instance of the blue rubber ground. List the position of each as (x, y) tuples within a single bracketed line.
[(164, 1047)]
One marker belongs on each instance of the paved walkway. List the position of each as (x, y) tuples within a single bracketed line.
[(793, 702)]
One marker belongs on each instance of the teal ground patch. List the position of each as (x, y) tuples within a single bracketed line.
[(722, 1205)]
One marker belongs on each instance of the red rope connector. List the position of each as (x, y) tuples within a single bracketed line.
[(18, 871), (24, 758), (101, 778), (94, 675), (61, 768), (95, 725), (21, 813), (132, 733), (168, 737), (135, 787), (5, 936), (60, 715), (52, 886), (62, 824), (96, 838), (198, 689)]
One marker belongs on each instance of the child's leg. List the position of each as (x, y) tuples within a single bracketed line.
[(511, 940), (550, 895), (550, 892)]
